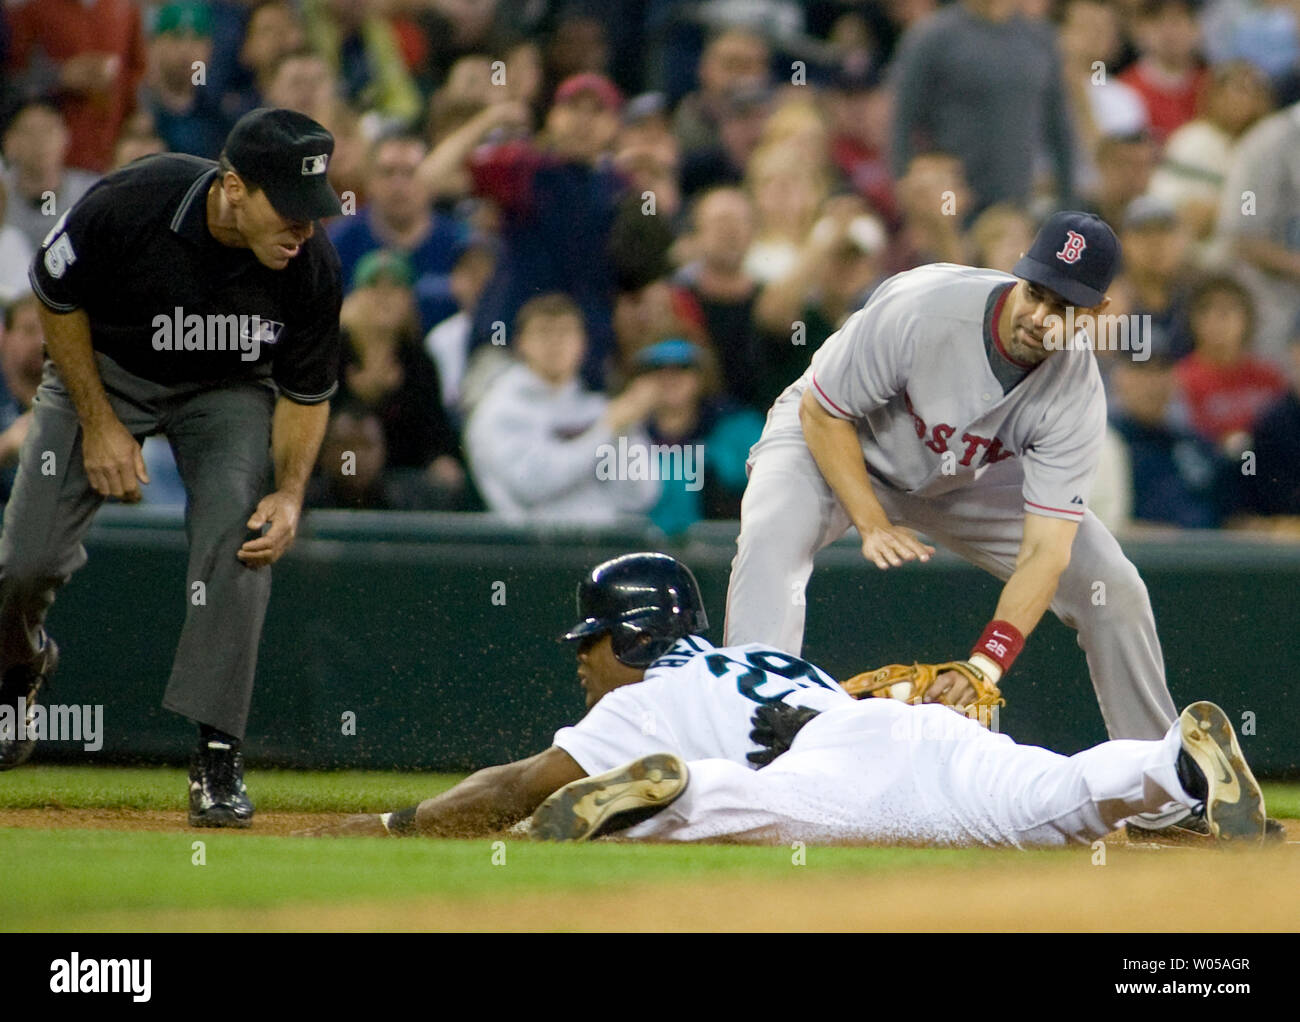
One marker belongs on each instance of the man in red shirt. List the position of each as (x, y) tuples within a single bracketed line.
[(89, 54), (1225, 386), (1168, 75)]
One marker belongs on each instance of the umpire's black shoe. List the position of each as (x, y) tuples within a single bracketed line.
[(611, 801), (19, 689), (218, 797)]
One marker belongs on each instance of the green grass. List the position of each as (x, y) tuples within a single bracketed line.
[(59, 879), (84, 872), (285, 791)]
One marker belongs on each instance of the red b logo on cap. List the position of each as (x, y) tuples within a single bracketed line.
[(1072, 251)]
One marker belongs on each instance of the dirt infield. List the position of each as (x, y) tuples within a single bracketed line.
[(1140, 887), (264, 825), (1178, 891)]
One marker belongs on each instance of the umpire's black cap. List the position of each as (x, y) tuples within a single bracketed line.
[(286, 154), (1075, 254)]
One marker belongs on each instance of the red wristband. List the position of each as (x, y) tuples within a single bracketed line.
[(1001, 643)]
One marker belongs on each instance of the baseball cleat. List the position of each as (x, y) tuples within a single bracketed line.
[(611, 801), (218, 797), (1232, 800), (1192, 830), (19, 690)]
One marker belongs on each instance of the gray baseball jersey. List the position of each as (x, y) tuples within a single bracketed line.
[(938, 401), (960, 442)]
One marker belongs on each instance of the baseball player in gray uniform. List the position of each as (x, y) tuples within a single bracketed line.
[(946, 406)]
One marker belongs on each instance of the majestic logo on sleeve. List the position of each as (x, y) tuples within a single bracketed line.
[(314, 164), (1072, 251)]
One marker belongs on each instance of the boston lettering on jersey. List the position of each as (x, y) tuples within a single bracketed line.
[(941, 432)]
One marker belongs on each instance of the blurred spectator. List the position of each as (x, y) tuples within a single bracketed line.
[(1000, 236), (453, 28), (734, 62), (558, 199), (41, 186), (358, 42), (844, 259), (1177, 477), (711, 438), (1263, 32), (648, 310), (385, 371), (1168, 75), (1274, 489), (648, 153), (742, 117), (1197, 156), (16, 253), (399, 216), (457, 126), (1124, 166), (350, 472), (448, 342), (301, 80), (1224, 386), (860, 109), (186, 114), (131, 146), (717, 279), (536, 440), (274, 30), (1259, 225), (90, 55), (1154, 246), (789, 185), (956, 92), (1100, 104), (577, 45), (933, 199), (22, 358)]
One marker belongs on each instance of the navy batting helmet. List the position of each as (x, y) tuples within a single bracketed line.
[(646, 602)]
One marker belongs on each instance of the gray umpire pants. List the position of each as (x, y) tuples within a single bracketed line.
[(221, 437), (789, 512)]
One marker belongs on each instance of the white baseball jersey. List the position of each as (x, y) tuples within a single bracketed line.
[(696, 701), (872, 770), (937, 400)]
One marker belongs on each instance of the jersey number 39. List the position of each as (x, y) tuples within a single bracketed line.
[(768, 676)]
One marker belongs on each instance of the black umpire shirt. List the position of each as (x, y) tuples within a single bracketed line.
[(170, 303)]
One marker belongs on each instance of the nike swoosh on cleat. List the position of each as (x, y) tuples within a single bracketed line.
[(1232, 790)]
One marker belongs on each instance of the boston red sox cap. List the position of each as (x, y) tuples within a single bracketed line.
[(286, 154), (1075, 254)]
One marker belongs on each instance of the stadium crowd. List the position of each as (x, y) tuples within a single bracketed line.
[(572, 230)]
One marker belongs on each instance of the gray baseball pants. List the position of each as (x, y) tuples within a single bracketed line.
[(789, 512), (221, 437)]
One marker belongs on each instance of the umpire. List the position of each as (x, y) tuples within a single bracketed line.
[(197, 300)]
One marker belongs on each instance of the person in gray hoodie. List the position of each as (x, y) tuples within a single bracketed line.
[(541, 447)]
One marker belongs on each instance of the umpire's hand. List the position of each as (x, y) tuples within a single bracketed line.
[(114, 463), (280, 510)]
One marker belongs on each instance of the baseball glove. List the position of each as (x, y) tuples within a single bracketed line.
[(910, 683)]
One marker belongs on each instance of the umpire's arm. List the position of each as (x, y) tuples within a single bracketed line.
[(296, 434)]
